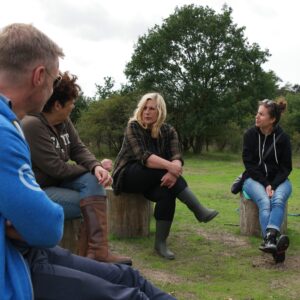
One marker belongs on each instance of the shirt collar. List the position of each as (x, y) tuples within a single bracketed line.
[(6, 100)]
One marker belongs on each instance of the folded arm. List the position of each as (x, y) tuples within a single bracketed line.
[(32, 216)]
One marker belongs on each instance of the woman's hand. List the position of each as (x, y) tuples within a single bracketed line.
[(168, 180), (269, 191), (175, 169), (103, 176)]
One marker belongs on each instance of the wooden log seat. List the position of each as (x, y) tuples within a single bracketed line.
[(70, 237), (128, 215), (249, 221)]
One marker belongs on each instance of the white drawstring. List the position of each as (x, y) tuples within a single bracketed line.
[(262, 153), (263, 149), (274, 143), (17, 125), (259, 149)]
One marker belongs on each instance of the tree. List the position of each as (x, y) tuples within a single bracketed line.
[(102, 125), (106, 90), (206, 69), (291, 118), (81, 105)]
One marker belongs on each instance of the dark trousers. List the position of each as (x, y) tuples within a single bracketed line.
[(57, 274), (140, 179)]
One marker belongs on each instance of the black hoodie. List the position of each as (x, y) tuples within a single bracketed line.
[(276, 167)]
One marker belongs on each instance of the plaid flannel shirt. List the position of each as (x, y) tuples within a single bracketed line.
[(137, 145)]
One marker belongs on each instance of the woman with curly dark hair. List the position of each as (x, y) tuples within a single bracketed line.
[(79, 188)]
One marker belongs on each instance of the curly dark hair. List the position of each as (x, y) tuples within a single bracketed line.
[(67, 90)]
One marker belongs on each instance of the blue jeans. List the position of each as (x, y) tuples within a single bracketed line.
[(69, 193), (271, 210)]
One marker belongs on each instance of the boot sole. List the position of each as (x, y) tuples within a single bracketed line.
[(122, 262), (279, 258), (268, 250), (170, 257), (282, 244), (210, 217), (128, 263)]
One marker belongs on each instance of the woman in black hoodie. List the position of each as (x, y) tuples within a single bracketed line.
[(268, 161)]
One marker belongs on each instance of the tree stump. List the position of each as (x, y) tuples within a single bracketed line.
[(70, 237), (249, 220), (128, 215)]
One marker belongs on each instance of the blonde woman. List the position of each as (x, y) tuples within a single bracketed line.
[(150, 163)]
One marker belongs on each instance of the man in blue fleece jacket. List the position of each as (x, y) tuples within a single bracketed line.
[(31, 265)]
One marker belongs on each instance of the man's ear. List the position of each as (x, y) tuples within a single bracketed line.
[(38, 76)]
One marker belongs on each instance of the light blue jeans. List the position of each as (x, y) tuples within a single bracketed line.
[(271, 210), (69, 193)]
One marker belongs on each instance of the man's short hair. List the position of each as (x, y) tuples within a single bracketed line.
[(22, 45)]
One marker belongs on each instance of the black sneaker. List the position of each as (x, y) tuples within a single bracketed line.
[(269, 244), (282, 245), (279, 257)]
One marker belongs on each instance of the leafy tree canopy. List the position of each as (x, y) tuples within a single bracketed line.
[(104, 122), (81, 105), (106, 90), (206, 69)]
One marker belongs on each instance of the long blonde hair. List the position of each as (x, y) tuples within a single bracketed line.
[(161, 108)]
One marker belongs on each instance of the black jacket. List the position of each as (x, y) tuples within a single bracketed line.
[(276, 167)]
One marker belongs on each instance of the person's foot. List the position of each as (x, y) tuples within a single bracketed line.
[(269, 243), (109, 257), (163, 251), (210, 216), (278, 258), (282, 245)]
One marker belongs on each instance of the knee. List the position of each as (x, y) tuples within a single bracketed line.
[(88, 179), (279, 201), (281, 196), (91, 186), (167, 200), (263, 203)]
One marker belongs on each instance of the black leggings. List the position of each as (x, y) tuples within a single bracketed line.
[(140, 179)]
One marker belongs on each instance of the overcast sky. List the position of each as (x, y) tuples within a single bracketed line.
[(98, 36)]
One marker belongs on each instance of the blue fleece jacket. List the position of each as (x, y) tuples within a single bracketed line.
[(36, 218)]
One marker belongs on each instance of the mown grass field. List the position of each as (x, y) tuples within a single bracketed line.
[(213, 261)]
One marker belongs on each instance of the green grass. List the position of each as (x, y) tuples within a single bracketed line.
[(213, 261)]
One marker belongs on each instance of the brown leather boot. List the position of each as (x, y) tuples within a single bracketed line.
[(82, 239), (94, 213)]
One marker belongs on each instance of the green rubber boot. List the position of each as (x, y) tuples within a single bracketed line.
[(201, 213), (161, 235)]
